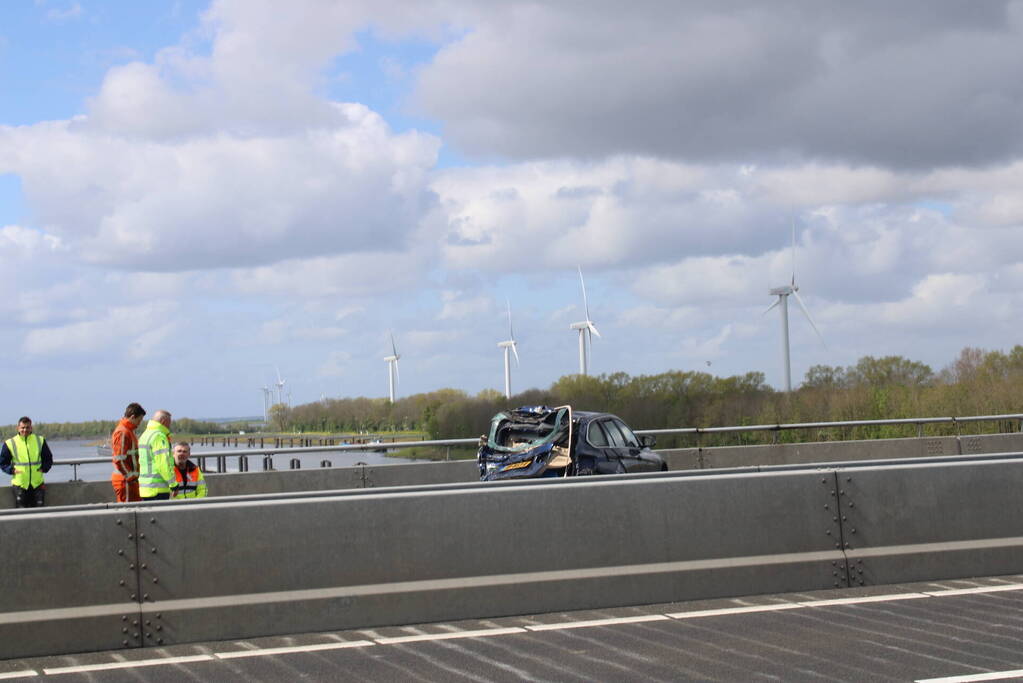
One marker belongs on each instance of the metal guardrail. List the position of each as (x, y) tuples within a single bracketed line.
[(268, 453)]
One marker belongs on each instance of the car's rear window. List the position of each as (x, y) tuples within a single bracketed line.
[(595, 435)]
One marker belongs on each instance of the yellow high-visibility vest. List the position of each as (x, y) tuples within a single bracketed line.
[(156, 464), (27, 458)]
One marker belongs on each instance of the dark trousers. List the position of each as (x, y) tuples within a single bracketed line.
[(30, 497)]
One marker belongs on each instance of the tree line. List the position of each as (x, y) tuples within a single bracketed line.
[(977, 382)]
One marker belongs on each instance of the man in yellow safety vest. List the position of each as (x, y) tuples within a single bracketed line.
[(27, 458), (156, 464)]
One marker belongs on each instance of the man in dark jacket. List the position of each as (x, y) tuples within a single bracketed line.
[(26, 457)]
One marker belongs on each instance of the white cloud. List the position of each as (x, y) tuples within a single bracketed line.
[(122, 332), (72, 11), (457, 306)]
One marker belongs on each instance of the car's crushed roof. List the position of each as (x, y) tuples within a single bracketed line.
[(526, 428)]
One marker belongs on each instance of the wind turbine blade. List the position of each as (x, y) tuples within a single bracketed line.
[(394, 349), (516, 353), (278, 369), (511, 332), (772, 306), (586, 306), (807, 314), (397, 375), (592, 328)]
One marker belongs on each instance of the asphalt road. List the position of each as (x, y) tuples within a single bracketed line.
[(954, 631)]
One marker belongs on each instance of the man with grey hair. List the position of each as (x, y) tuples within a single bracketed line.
[(156, 465)]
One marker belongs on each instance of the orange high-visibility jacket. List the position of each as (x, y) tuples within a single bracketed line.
[(124, 446)]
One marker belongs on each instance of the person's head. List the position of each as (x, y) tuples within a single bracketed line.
[(181, 452), (25, 426), (163, 417), (134, 412)]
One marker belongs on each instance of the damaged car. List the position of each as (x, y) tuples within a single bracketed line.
[(538, 441)]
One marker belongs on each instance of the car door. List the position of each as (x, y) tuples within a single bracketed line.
[(601, 451), (629, 451)]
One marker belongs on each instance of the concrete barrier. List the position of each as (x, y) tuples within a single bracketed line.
[(924, 522), (717, 457), (278, 481), (287, 563), (68, 582), (247, 568)]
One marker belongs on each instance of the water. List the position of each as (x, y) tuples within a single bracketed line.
[(78, 449)]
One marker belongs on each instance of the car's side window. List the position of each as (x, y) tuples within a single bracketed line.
[(630, 438), (595, 435), (614, 434)]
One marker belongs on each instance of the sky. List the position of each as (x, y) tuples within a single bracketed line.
[(194, 194)]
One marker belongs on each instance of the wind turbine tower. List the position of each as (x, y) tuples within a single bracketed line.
[(782, 304), (266, 403), (586, 330), (509, 345), (392, 368)]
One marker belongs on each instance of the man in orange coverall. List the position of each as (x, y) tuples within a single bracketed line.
[(124, 446)]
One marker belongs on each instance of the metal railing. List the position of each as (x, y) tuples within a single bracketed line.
[(220, 457)]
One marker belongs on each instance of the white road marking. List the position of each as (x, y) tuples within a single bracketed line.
[(126, 665), (482, 633), (866, 598), (269, 651), (981, 589), (450, 635), (735, 610), (597, 622), (992, 676)]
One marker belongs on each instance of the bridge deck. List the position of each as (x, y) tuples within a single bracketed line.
[(954, 630)]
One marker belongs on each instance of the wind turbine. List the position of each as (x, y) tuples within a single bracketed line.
[(506, 345), (266, 403), (280, 385), (586, 330), (392, 368), (782, 303)]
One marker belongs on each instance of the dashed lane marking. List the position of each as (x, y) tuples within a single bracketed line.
[(269, 651), (970, 591), (27, 673), (561, 625), (84, 668), (482, 633), (991, 676), (867, 598), (735, 610)]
